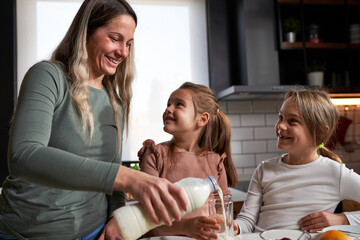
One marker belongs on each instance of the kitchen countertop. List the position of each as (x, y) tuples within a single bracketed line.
[(178, 238), (248, 236), (237, 195)]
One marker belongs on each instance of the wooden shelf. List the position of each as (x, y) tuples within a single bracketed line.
[(344, 92), (289, 45), (355, 45), (333, 2), (344, 95), (288, 1), (350, 205), (341, 57), (308, 45), (326, 45), (354, 2)]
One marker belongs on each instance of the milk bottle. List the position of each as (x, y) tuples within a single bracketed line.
[(133, 221)]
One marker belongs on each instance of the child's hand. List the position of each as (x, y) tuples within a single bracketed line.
[(236, 229), (200, 227), (317, 221)]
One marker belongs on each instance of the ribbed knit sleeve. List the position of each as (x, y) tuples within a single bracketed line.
[(38, 153)]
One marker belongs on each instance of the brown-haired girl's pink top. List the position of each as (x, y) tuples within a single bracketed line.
[(154, 161)]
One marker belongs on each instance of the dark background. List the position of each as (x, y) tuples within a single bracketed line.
[(8, 87)]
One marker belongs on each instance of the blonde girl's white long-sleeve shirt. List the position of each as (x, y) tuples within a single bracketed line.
[(280, 194)]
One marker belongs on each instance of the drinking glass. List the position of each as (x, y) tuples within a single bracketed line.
[(217, 210)]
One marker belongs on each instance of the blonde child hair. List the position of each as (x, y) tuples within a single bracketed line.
[(320, 116), (216, 134)]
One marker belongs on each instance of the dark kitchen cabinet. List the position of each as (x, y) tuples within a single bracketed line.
[(241, 47), (334, 45), (8, 73)]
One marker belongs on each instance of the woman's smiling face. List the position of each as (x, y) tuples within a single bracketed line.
[(109, 45)]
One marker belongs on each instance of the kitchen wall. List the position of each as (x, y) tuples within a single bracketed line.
[(253, 135)]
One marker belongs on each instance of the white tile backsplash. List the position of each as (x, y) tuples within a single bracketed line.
[(264, 106), (254, 146), (272, 146), (253, 135), (236, 147), (249, 170), (234, 120), (264, 132), (243, 160), (271, 119), (249, 120), (242, 133), (235, 107)]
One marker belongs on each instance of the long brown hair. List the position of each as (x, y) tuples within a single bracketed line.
[(216, 135), (318, 112), (72, 54)]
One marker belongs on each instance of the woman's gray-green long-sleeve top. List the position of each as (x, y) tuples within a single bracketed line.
[(59, 186)]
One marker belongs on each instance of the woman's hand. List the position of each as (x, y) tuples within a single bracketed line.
[(157, 195), (200, 227), (317, 221), (110, 231)]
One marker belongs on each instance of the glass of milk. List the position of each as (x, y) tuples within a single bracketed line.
[(221, 208)]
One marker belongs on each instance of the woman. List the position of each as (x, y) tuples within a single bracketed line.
[(65, 142)]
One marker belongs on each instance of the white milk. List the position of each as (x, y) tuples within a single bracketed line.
[(133, 221), (224, 235)]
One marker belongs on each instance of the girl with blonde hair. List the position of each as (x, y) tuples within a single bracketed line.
[(65, 142), (301, 188)]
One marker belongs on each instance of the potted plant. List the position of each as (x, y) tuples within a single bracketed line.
[(291, 28), (315, 74)]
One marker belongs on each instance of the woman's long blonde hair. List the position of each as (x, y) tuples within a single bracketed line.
[(318, 112), (73, 56), (216, 134)]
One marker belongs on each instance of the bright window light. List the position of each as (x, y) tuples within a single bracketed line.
[(50, 31), (170, 48)]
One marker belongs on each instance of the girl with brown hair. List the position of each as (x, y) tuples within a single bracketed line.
[(200, 147)]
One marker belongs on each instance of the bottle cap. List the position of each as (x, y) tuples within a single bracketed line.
[(213, 181)]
